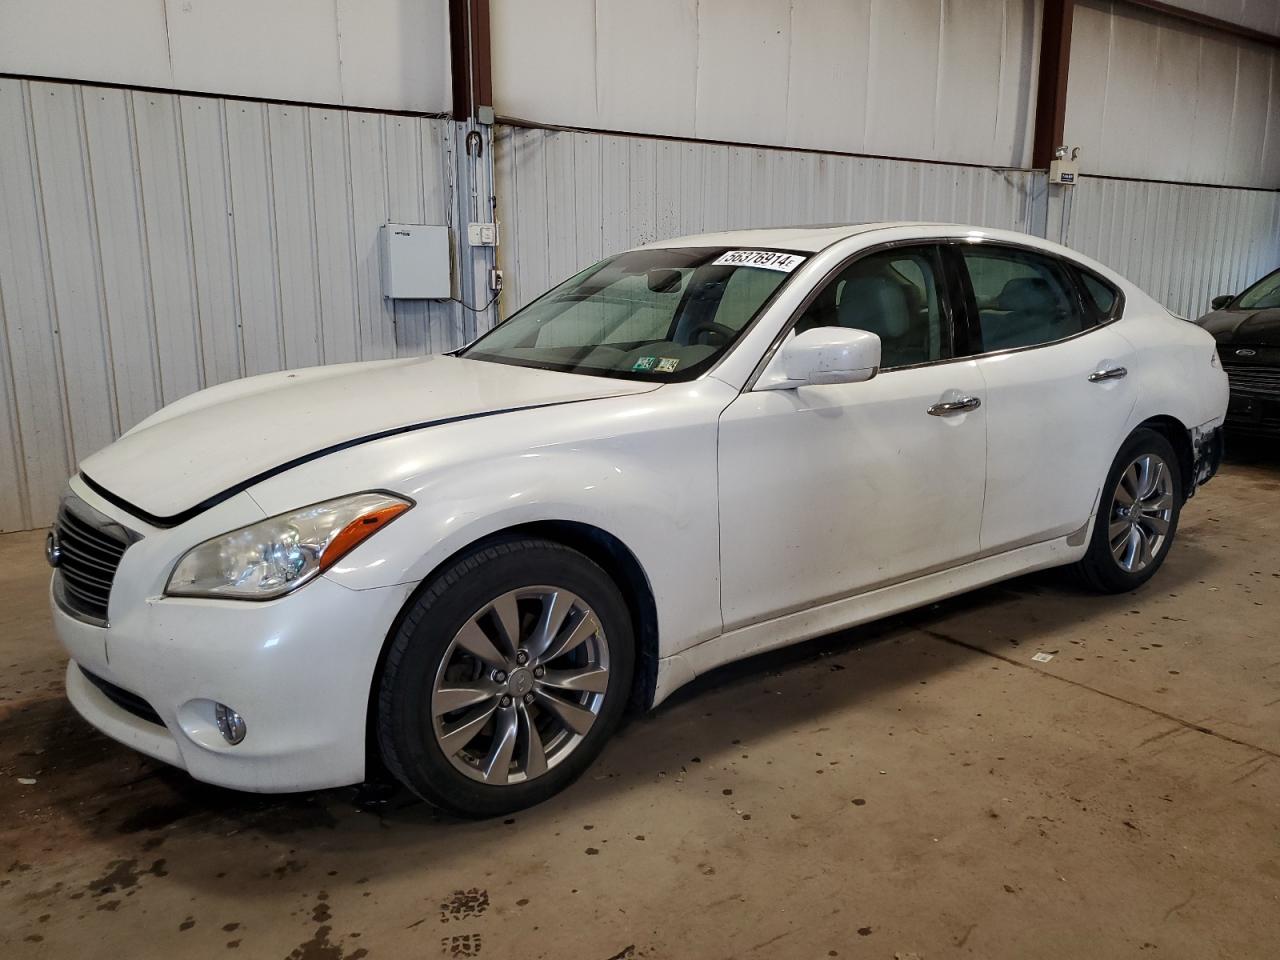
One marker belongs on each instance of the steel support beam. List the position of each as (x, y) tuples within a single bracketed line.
[(1051, 86), (470, 69)]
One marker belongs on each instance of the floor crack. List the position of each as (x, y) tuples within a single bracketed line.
[(1198, 728)]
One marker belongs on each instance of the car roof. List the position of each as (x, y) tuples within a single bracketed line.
[(809, 238)]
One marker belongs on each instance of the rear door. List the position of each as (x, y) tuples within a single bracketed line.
[(1059, 393)]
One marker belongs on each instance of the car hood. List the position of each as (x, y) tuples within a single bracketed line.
[(1253, 327), (208, 446)]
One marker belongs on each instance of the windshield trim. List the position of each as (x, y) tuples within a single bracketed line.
[(637, 376)]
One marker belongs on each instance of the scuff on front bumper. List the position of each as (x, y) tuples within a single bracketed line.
[(1206, 452)]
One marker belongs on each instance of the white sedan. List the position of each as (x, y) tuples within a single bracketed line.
[(464, 567)]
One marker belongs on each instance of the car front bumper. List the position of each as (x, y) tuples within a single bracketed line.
[(297, 669)]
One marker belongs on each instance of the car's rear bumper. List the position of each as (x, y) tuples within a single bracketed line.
[(1207, 446)]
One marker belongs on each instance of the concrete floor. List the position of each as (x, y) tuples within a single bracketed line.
[(917, 789)]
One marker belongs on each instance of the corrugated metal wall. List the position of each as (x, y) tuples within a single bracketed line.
[(1182, 244), (566, 198), (152, 245)]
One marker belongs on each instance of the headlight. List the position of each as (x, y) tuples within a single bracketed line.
[(280, 554)]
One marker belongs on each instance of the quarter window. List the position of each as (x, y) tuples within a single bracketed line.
[(1023, 299), (1102, 294), (895, 294)]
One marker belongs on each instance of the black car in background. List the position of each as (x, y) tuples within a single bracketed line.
[(1247, 328)]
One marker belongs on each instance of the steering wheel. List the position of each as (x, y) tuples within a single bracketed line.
[(726, 334)]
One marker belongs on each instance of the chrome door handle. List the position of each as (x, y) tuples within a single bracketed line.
[(948, 407), (1111, 373)]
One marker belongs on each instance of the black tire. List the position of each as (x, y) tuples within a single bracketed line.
[(446, 603), (1099, 568)]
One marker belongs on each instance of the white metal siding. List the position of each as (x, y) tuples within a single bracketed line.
[(1153, 97), (936, 79), (1184, 245), (1262, 15), (151, 245), (566, 199), (388, 54)]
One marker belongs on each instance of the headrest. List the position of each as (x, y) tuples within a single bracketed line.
[(876, 304), (1025, 294)]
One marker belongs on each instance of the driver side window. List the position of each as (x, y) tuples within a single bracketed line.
[(895, 294)]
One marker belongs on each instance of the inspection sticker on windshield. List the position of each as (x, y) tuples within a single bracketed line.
[(644, 363), (767, 259), (667, 364)]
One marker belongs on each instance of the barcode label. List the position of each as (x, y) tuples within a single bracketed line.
[(766, 259)]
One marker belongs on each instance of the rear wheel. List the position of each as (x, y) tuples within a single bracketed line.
[(1137, 515), (507, 675)]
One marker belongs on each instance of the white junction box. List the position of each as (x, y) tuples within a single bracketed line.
[(482, 234), (415, 262), (1064, 171)]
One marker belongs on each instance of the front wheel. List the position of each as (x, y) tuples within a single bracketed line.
[(1137, 515), (506, 676)]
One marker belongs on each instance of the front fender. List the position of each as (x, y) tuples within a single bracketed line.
[(643, 471)]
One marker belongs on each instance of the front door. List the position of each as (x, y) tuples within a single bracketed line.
[(828, 491)]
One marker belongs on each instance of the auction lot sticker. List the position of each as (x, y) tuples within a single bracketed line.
[(767, 259)]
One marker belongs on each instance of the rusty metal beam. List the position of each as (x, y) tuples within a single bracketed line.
[(1051, 86), (470, 70)]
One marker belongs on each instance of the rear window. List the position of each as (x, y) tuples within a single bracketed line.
[(1023, 298)]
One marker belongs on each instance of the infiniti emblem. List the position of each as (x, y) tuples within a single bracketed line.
[(1246, 353), (52, 549)]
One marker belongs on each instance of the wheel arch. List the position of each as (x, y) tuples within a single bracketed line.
[(598, 545), (1179, 437)]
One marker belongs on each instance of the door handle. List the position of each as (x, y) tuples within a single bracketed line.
[(1111, 373), (948, 407)]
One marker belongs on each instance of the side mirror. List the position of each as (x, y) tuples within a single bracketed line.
[(1219, 302), (823, 355)]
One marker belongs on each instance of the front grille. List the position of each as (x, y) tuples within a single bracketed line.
[(90, 547), (1255, 380), (122, 698)]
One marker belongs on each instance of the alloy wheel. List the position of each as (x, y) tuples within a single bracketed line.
[(1141, 511), (520, 686)]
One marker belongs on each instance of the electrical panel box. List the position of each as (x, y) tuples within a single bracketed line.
[(1064, 171), (415, 262)]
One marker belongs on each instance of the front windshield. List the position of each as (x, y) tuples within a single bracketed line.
[(1263, 295), (663, 314)]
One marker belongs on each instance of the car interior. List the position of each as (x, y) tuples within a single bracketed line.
[(892, 295)]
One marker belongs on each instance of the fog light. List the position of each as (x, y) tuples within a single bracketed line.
[(230, 724)]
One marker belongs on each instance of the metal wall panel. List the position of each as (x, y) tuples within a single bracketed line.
[(567, 198), (1182, 244), (1263, 15), (937, 79), (384, 54), (152, 245), (1154, 97)]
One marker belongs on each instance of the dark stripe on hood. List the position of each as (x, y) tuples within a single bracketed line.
[(217, 498)]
